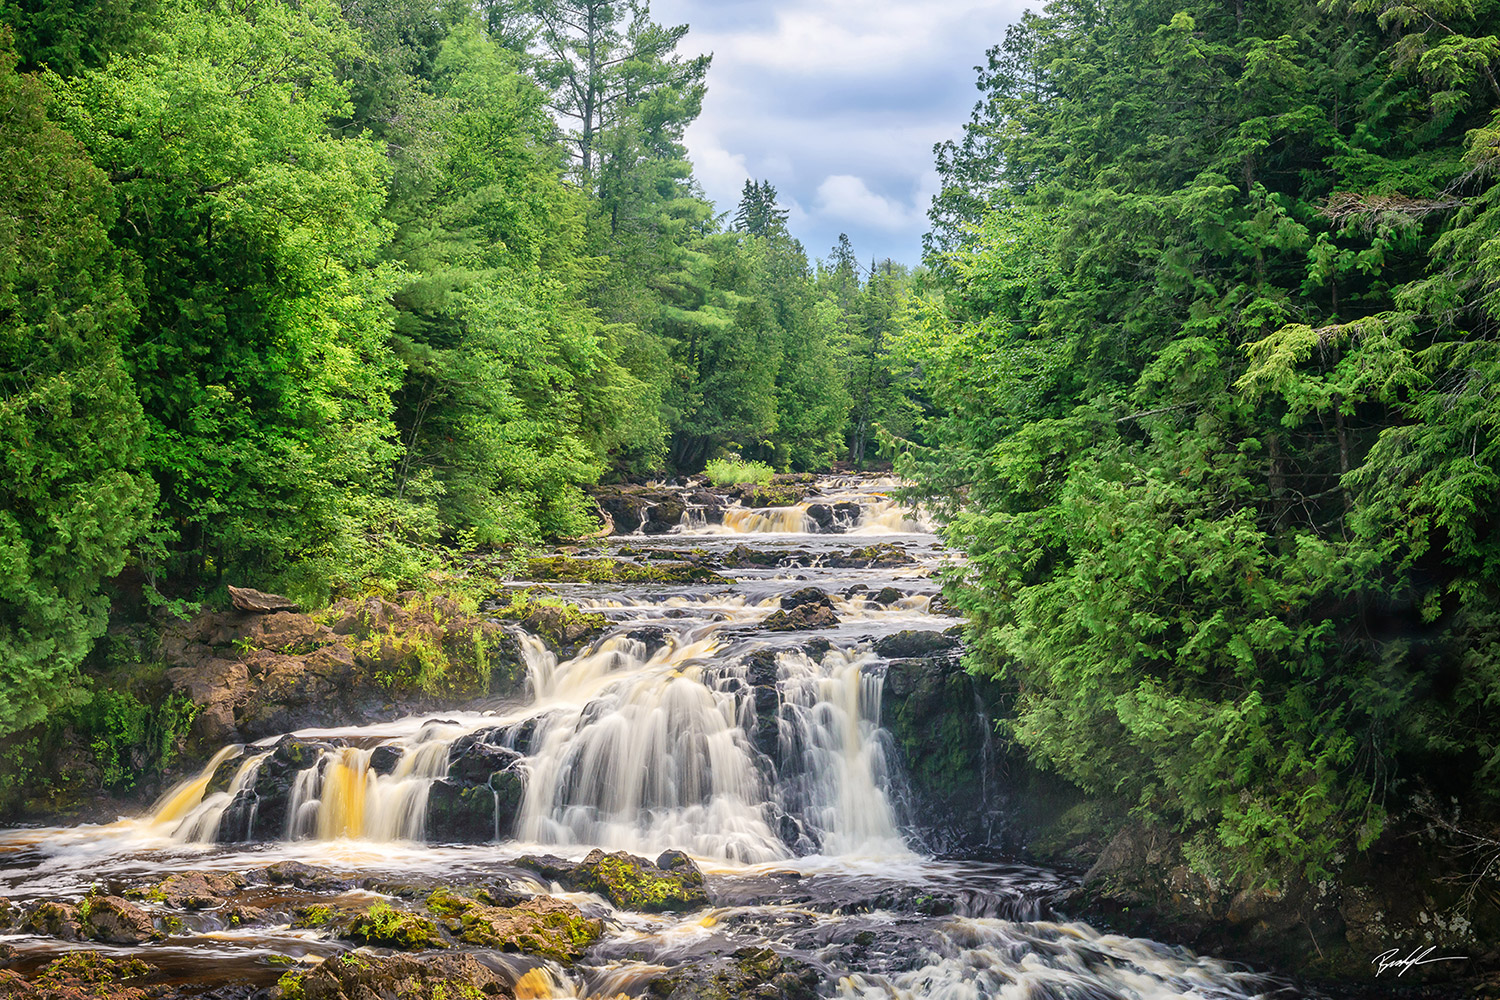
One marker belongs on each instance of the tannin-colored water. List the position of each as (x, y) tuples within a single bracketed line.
[(802, 821)]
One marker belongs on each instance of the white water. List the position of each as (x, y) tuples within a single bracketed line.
[(641, 750)]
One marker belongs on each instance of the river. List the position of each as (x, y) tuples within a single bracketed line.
[(654, 738)]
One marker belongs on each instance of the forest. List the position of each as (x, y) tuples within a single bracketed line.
[(1200, 370), (305, 296)]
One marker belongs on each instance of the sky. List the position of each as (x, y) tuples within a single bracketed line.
[(838, 104)]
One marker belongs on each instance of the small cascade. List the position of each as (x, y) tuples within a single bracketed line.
[(186, 796), (752, 521), (342, 796), (832, 743), (649, 754), (201, 824), (884, 517)]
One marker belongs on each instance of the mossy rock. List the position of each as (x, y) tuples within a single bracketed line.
[(568, 569), (317, 915), (674, 883), (360, 977), (83, 975), (783, 495), (385, 927), (543, 926), (749, 972), (54, 919)]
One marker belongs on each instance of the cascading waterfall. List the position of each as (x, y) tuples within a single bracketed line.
[(655, 758), (750, 521), (688, 727), (830, 726)]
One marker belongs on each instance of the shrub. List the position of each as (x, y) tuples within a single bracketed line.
[(733, 472)]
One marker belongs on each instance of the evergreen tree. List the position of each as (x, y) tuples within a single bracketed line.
[(758, 214), (73, 502)]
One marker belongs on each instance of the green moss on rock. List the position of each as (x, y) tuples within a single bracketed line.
[(386, 927), (632, 883), (543, 926), (568, 569)]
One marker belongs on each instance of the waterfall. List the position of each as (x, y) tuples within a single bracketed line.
[(635, 747), (649, 754), (747, 521), (830, 734), (201, 824)]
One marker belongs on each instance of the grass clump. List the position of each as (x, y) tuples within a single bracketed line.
[(734, 472)]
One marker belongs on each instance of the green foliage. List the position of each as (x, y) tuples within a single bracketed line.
[(68, 36), (1211, 368), (260, 356), (733, 472), (72, 499)]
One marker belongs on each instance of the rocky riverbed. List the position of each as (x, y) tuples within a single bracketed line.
[(730, 755)]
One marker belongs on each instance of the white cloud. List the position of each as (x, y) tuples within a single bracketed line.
[(721, 172), (838, 104), (847, 198)]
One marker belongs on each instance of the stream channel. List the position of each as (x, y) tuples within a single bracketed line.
[(687, 727)]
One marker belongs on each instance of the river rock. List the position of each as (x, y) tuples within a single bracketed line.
[(192, 890), (673, 883), (748, 972), (910, 643), (663, 516), (112, 920), (545, 926), (803, 617), (301, 876), (386, 927), (471, 759), (385, 758), (374, 977), (53, 919), (804, 597)]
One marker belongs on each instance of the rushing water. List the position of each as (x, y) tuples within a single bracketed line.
[(659, 736)]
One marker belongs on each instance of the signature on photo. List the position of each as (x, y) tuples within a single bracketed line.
[(1392, 960)]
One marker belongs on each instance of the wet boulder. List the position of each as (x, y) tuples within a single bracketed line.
[(672, 883), (53, 919), (804, 597), (880, 554), (653, 637), (301, 876), (385, 758), (368, 977), (821, 515), (910, 643), (748, 972), (387, 927), (112, 920), (474, 813), (191, 890), (543, 925), (805, 616), (846, 515), (887, 596), (472, 759), (663, 516)]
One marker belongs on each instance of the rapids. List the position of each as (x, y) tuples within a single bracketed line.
[(761, 754)]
